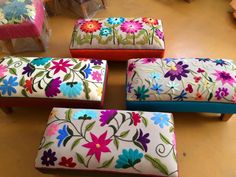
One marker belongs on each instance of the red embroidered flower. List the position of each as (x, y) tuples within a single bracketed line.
[(199, 96), (150, 21), (90, 26), (200, 70), (61, 66), (67, 162), (197, 79), (136, 118), (28, 85), (98, 145), (189, 88)]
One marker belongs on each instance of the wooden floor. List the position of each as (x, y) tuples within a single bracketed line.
[(203, 28)]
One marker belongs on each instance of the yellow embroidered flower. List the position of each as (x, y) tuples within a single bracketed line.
[(31, 11), (99, 91), (2, 18)]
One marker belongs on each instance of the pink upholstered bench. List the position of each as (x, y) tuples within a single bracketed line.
[(118, 38), (129, 142), (21, 19), (51, 82)]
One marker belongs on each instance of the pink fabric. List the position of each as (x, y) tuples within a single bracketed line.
[(26, 29)]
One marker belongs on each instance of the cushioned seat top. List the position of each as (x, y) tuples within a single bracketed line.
[(60, 78), (118, 33), (184, 79), (109, 140)]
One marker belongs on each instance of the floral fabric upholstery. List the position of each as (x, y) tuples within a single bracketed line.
[(17, 11), (189, 79), (60, 78), (118, 33), (109, 140)]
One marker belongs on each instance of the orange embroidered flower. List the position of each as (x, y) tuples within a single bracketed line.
[(91, 26), (150, 21), (28, 85), (199, 96)]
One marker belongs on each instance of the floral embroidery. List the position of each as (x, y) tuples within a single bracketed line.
[(75, 138), (64, 78), (118, 32), (17, 11), (185, 79)]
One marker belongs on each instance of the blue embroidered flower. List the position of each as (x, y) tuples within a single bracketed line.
[(155, 76), (181, 97), (220, 62), (63, 134), (85, 114), (71, 89), (15, 10), (157, 88), (168, 60), (87, 71), (40, 61), (161, 119), (129, 87), (8, 86), (115, 21), (105, 31), (128, 158)]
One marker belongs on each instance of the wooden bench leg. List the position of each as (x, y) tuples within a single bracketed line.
[(39, 41), (83, 7), (225, 117), (9, 45), (104, 3), (7, 110)]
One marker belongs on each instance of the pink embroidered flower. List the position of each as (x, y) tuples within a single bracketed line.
[(98, 145), (224, 77), (96, 76), (149, 60), (61, 66), (234, 98), (131, 26), (52, 129), (136, 118), (3, 69)]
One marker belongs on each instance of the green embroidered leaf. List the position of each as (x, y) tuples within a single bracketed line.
[(66, 140), (97, 67), (174, 156), (75, 60), (67, 77), (171, 129), (164, 139), (47, 65), (210, 96), (135, 136), (48, 144), (149, 83), (80, 158), (1, 79), (12, 71), (24, 93), (124, 134), (86, 90), (39, 74), (10, 62), (68, 114), (145, 121), (107, 163), (210, 79), (70, 131), (77, 66), (75, 143), (157, 164), (114, 128), (89, 126), (123, 117), (138, 145), (39, 85), (48, 76), (116, 143), (22, 81)]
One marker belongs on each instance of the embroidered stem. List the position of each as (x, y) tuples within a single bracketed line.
[(133, 39), (91, 39), (114, 35)]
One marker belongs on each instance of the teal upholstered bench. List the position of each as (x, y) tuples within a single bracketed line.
[(108, 141), (182, 85)]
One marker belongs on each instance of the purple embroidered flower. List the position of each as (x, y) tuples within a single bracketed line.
[(107, 116), (129, 87), (224, 77), (221, 93), (131, 26), (28, 69), (52, 88), (97, 62), (143, 139), (178, 71), (181, 97), (48, 158), (160, 34)]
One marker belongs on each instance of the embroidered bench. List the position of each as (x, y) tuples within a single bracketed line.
[(118, 38), (108, 141), (22, 19), (182, 85), (63, 82)]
